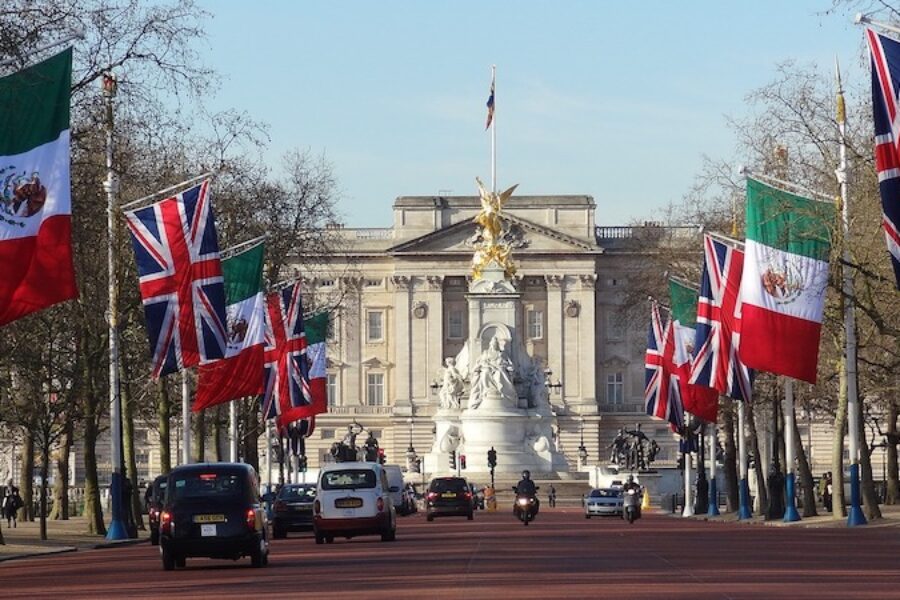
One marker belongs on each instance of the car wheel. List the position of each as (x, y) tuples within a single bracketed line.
[(587, 516), (278, 534), (168, 560), (180, 562), (329, 539), (320, 539), (389, 536), (470, 516), (154, 538), (429, 518)]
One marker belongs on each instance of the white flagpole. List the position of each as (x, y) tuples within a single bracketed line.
[(268, 453), (185, 419), (181, 184), (744, 511), (494, 130), (688, 501), (232, 430), (790, 509), (713, 487), (855, 515), (862, 19), (77, 35)]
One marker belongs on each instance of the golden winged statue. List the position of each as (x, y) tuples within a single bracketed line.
[(491, 247)]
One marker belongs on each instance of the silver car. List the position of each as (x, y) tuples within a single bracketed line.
[(603, 501)]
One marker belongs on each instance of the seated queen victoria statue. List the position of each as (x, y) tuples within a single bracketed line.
[(492, 376)]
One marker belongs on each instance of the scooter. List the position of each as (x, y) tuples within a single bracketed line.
[(526, 506), (632, 505)]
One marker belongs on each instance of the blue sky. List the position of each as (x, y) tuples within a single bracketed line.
[(618, 100)]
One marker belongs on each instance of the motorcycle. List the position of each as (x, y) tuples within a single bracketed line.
[(632, 505), (526, 506)]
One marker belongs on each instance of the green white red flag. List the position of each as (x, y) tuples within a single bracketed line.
[(240, 372), (698, 400), (784, 281), (35, 189)]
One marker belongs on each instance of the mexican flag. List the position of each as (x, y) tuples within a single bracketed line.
[(698, 400), (784, 281), (316, 331), (35, 191), (240, 372)]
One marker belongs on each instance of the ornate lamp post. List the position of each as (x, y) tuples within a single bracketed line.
[(412, 462), (582, 451)]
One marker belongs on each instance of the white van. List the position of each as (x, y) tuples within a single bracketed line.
[(352, 499), (395, 483)]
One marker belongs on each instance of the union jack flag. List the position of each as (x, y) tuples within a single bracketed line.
[(716, 364), (490, 107), (177, 256), (287, 397), (663, 392), (885, 100)]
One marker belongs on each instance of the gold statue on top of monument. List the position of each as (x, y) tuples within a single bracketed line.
[(490, 245)]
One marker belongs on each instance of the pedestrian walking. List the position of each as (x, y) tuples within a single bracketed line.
[(552, 496), (12, 502), (827, 491)]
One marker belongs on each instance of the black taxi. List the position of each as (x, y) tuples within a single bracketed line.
[(213, 510)]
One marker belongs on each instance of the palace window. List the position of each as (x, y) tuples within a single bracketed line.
[(327, 434), (615, 388), (373, 282), (332, 389), (535, 324), (455, 324), (375, 389), (375, 329)]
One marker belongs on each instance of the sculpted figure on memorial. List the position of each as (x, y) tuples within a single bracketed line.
[(452, 388), (492, 375)]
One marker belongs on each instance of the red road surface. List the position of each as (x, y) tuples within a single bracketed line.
[(561, 555)]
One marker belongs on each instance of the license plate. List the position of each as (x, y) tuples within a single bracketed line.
[(207, 530), (209, 518), (448, 495), (348, 503), (349, 512)]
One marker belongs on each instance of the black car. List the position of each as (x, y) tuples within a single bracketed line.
[(448, 496), (156, 493), (213, 510), (293, 509)]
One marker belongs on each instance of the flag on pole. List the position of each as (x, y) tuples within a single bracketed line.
[(316, 334), (784, 280), (716, 364), (490, 106), (697, 400), (35, 189), (662, 393), (177, 256), (240, 372), (885, 101)]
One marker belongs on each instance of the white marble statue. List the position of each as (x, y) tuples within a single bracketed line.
[(452, 388), (492, 375)]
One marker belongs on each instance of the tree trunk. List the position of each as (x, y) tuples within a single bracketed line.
[(805, 473), (199, 442), (45, 472), (93, 510), (837, 447), (893, 476), (867, 482), (220, 438), (61, 485), (164, 413), (26, 478), (249, 431), (757, 463), (129, 454), (731, 474)]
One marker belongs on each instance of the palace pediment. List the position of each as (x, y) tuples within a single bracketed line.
[(525, 237)]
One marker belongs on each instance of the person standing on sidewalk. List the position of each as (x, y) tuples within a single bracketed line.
[(11, 505), (552, 496)]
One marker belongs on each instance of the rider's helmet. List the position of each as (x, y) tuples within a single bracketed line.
[(631, 479), (526, 474)]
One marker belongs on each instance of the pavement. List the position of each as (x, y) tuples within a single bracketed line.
[(71, 535), (890, 518)]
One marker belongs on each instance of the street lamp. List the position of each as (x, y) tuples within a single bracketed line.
[(582, 451), (412, 459), (550, 385)]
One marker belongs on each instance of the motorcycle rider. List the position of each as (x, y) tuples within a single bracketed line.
[(631, 484), (525, 487)]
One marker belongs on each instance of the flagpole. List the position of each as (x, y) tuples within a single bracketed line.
[(185, 419), (790, 509), (855, 515), (744, 511), (117, 529), (862, 19), (688, 510), (713, 510), (184, 183), (77, 35), (232, 430), (268, 452), (494, 132), (797, 189)]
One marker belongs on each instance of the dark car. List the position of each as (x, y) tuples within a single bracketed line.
[(293, 509), (448, 496), (213, 510), (156, 493)]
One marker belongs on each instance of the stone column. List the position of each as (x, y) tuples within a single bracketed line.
[(434, 358), (352, 336), (402, 341), (584, 314), (555, 339)]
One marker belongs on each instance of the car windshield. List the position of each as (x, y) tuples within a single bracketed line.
[(299, 492), (348, 479), (207, 485), (448, 485), (604, 493)]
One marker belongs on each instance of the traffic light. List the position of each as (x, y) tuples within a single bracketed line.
[(453, 460), (303, 463), (492, 458), (381, 457), (462, 461)]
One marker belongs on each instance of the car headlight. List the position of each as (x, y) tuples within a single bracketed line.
[(523, 501)]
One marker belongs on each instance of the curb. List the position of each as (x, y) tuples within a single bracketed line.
[(62, 550), (116, 543)]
